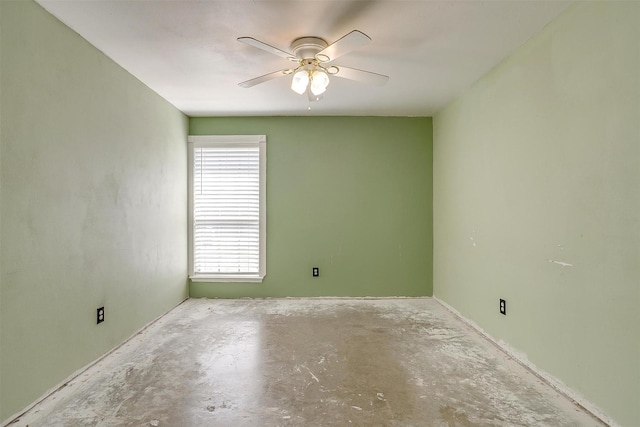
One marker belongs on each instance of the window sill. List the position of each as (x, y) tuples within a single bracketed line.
[(225, 279)]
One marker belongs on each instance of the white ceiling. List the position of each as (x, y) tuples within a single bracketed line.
[(187, 50)]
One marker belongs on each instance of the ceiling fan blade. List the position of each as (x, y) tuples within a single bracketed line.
[(361, 76), (342, 46), (267, 48), (265, 78)]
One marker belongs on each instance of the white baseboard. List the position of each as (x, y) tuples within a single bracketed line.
[(80, 371), (519, 357), (522, 359)]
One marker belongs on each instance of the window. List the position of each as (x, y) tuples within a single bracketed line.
[(227, 208)]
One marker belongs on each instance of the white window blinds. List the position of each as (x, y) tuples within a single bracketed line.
[(227, 206)]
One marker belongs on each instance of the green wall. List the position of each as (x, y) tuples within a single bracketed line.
[(537, 200), (351, 195), (93, 204)]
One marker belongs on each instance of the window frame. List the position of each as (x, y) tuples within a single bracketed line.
[(199, 141)]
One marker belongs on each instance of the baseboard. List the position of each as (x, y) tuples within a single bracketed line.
[(519, 357), (80, 371), (317, 298), (523, 360)]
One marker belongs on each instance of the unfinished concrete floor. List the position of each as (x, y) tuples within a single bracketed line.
[(404, 362)]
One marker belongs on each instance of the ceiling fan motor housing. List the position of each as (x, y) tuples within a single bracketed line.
[(307, 47)]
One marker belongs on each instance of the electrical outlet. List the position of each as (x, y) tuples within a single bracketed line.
[(316, 271), (503, 307), (100, 315)]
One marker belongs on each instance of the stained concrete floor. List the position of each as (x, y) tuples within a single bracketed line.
[(392, 362)]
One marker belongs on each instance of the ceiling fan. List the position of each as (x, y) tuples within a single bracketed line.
[(313, 56)]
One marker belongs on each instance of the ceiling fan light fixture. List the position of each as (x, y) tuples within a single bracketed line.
[(300, 82), (319, 82)]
